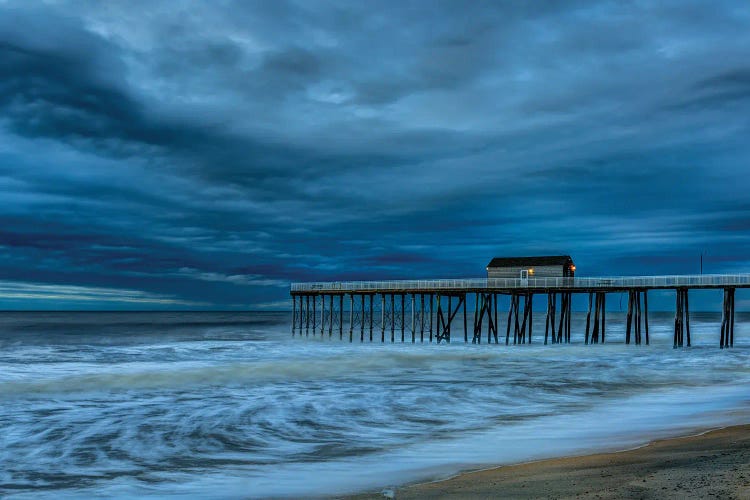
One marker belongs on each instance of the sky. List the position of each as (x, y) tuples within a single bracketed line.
[(203, 155)]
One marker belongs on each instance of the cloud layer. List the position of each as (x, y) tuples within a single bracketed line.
[(212, 153)]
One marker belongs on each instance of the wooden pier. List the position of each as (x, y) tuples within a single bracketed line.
[(426, 310)]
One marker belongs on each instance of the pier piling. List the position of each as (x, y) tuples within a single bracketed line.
[(727, 319)]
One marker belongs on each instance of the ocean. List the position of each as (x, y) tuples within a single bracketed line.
[(230, 405)]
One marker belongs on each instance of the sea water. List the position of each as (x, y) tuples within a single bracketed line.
[(227, 405)]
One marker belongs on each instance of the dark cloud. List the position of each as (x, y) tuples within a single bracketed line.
[(727, 89), (205, 156)]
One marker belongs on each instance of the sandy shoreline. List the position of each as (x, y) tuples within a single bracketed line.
[(713, 464)]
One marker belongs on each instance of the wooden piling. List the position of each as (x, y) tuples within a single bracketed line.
[(731, 318), (476, 319), (564, 327), (687, 316), (307, 315), (466, 331), (382, 318), (322, 315), (421, 318), (431, 314), (393, 318), (351, 317), (629, 317), (517, 327), (727, 319), (645, 313), (413, 324), (314, 318), (450, 312), (599, 321), (546, 321), (362, 321), (570, 315), (553, 317), (510, 316), (494, 300), (330, 323), (372, 313), (604, 313), (438, 318), (531, 316), (637, 317), (522, 335), (403, 313), (588, 320), (294, 314), (724, 323)]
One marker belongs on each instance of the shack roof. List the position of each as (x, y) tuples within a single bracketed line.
[(544, 260)]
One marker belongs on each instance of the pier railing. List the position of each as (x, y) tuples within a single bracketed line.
[(693, 281)]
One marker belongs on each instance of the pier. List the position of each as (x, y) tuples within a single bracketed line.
[(427, 310)]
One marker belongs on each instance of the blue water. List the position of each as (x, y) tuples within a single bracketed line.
[(228, 405)]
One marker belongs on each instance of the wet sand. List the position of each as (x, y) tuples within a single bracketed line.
[(711, 465)]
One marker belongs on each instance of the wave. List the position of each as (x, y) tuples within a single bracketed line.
[(429, 363)]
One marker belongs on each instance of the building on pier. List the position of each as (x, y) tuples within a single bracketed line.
[(548, 266)]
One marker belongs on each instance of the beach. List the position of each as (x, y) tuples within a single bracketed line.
[(712, 464)]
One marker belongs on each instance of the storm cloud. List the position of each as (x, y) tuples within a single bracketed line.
[(204, 155)]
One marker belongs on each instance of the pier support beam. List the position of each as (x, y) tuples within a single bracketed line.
[(519, 322), (382, 318), (563, 328), (530, 305), (403, 313), (474, 339), (372, 313), (681, 318), (645, 313), (362, 321), (322, 315), (727, 319), (294, 314), (494, 300), (431, 314), (413, 319), (550, 321), (599, 318), (341, 317), (466, 331), (330, 323), (483, 307), (527, 299), (351, 317), (633, 318), (307, 315), (393, 318), (421, 317), (588, 319), (514, 308), (444, 321), (314, 318)]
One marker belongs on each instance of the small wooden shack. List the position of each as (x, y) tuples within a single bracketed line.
[(548, 266)]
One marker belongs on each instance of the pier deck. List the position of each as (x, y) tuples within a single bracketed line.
[(433, 305)]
